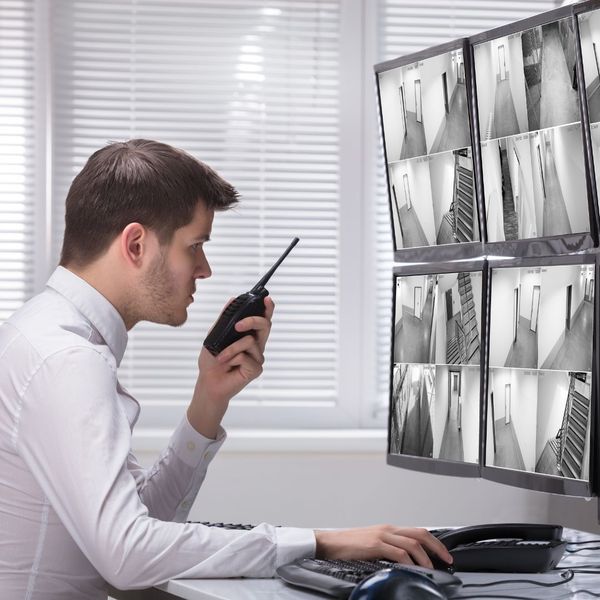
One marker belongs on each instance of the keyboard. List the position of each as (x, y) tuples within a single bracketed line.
[(338, 578), (238, 526)]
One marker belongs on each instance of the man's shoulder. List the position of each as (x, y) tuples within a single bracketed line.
[(47, 325)]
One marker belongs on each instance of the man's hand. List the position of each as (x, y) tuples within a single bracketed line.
[(225, 375), (398, 544)]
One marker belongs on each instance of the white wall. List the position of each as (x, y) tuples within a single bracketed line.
[(432, 87), (538, 190), (470, 413), (476, 282), (553, 388), (419, 184), (553, 305), (406, 295), (420, 190), (439, 410), (395, 217), (391, 110), (528, 281), (441, 169), (568, 157), (517, 81), (522, 170), (486, 84), (298, 489), (595, 131), (493, 190), (589, 27), (504, 282), (523, 409), (524, 396)]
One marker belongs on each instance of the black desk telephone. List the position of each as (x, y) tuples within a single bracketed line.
[(504, 547), (250, 304)]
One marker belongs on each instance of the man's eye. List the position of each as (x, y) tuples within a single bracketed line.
[(194, 247)]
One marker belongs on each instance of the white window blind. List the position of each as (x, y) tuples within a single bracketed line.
[(405, 27), (17, 153), (251, 88), (270, 93)]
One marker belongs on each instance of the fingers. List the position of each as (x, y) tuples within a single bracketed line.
[(402, 545), (247, 367), (428, 541), (260, 327), (247, 344), (405, 550)]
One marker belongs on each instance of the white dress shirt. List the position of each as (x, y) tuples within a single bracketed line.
[(76, 508)]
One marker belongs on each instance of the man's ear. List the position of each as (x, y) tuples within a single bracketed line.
[(134, 240)]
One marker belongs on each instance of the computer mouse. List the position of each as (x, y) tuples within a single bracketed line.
[(405, 583)]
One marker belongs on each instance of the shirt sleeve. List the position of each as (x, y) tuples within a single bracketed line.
[(169, 488), (74, 436)]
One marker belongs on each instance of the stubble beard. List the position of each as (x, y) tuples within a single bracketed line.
[(160, 295)]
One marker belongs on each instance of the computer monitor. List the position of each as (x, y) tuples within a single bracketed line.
[(541, 380), (435, 384), (528, 121), (424, 101)]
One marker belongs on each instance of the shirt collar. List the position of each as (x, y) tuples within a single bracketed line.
[(94, 307)]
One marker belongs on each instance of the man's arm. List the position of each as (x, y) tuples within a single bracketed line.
[(220, 378), (224, 376)]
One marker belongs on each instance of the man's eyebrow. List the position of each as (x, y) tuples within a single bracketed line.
[(204, 237)]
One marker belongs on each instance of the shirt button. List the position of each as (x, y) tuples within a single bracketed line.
[(191, 446), (185, 504), (207, 455)]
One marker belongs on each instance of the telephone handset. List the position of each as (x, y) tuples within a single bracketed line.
[(504, 547), (250, 304)]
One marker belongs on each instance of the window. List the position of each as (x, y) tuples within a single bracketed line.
[(17, 153), (279, 97)]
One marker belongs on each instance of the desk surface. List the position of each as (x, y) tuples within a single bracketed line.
[(275, 589)]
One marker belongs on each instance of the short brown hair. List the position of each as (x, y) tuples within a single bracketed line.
[(139, 181)]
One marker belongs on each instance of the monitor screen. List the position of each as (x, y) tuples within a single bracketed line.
[(539, 383), (435, 384), (427, 140), (532, 159)]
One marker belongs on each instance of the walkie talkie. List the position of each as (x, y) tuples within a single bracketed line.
[(249, 304)]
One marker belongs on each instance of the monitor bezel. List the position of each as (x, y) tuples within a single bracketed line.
[(543, 245), (527, 479), (438, 466), (433, 253), (591, 183)]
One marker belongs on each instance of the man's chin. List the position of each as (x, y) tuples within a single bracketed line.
[(178, 320), (172, 319)]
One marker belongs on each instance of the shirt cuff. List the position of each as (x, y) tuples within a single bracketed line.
[(294, 543), (192, 447)]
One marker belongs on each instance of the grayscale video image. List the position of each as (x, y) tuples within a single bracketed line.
[(413, 392), (542, 317), (534, 184), (455, 415), (437, 318), (539, 421), (433, 200), (526, 81), (424, 107), (458, 318), (595, 133), (414, 333), (589, 33)]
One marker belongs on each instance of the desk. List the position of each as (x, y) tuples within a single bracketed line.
[(275, 589)]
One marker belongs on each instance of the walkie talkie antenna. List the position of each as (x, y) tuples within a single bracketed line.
[(270, 272)]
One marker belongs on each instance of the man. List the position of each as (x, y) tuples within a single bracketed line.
[(76, 509)]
